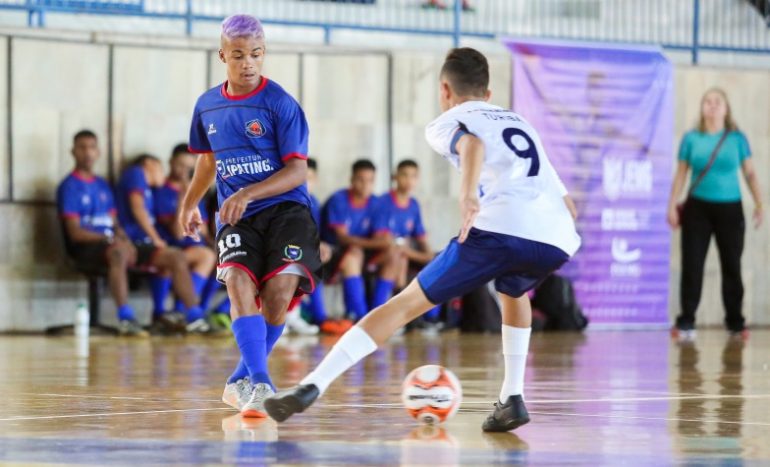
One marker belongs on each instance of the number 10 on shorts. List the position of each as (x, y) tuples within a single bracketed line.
[(230, 241)]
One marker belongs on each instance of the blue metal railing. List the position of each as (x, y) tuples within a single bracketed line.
[(692, 25)]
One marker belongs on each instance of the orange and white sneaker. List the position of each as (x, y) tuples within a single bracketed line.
[(255, 407), (237, 394), (336, 327)]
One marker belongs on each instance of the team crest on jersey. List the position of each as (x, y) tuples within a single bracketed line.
[(292, 253), (255, 129), (409, 225), (212, 129)]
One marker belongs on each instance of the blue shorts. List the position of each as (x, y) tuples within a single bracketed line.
[(515, 264)]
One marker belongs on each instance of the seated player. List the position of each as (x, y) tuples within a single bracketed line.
[(92, 235), (398, 220), (516, 230), (136, 210), (198, 252), (347, 226), (314, 303)]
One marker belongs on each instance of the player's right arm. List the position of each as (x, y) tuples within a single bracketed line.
[(470, 149), (78, 234), (139, 211), (204, 175)]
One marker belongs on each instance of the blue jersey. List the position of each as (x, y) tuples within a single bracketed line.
[(400, 220), (134, 181), (166, 200), (315, 210), (252, 136), (340, 210), (88, 199)]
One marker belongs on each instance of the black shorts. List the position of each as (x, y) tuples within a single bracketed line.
[(91, 258), (270, 241)]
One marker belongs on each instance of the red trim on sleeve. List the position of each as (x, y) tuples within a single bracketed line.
[(336, 224), (294, 155), (382, 230), (242, 268), (138, 191), (253, 93), (70, 215), (113, 212), (198, 151)]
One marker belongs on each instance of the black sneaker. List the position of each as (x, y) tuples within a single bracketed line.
[(286, 403), (508, 416)]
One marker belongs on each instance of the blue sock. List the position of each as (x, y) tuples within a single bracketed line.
[(160, 287), (433, 314), (194, 313), (224, 307), (240, 372), (316, 306), (273, 334), (382, 292), (208, 292), (355, 296), (199, 282), (179, 305), (125, 312), (251, 336)]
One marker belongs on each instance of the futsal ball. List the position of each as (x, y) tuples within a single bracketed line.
[(431, 394)]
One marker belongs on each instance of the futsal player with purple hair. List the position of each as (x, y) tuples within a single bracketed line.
[(252, 138)]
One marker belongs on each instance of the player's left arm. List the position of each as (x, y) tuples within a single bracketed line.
[(471, 152), (750, 174)]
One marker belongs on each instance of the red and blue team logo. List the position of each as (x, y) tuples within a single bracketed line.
[(255, 129)]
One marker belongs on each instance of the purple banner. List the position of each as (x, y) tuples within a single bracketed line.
[(606, 121)]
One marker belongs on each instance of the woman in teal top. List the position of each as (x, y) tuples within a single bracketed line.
[(713, 208)]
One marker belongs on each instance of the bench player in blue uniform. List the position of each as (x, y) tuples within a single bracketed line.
[(92, 234), (252, 138), (198, 252), (136, 211), (516, 230)]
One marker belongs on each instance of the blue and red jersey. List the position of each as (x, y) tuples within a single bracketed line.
[(166, 204), (133, 180), (90, 200), (401, 220), (341, 210), (252, 137)]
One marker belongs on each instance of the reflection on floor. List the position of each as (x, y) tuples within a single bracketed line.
[(602, 398)]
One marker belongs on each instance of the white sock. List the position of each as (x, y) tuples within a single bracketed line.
[(352, 347), (515, 348)]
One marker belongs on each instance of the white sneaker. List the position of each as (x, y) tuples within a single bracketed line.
[(199, 326), (255, 407), (296, 325), (237, 394)]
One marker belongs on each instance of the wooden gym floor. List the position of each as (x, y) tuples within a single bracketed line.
[(604, 398)]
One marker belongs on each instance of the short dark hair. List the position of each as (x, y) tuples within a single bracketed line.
[(179, 149), (85, 133), (467, 71), (362, 164), (312, 164), (142, 158), (406, 163)]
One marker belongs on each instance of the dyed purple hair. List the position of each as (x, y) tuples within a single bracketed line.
[(242, 26)]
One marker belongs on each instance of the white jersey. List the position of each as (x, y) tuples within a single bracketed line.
[(520, 193)]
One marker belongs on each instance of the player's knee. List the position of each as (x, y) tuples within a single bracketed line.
[(277, 300), (117, 257), (238, 279), (354, 254)]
